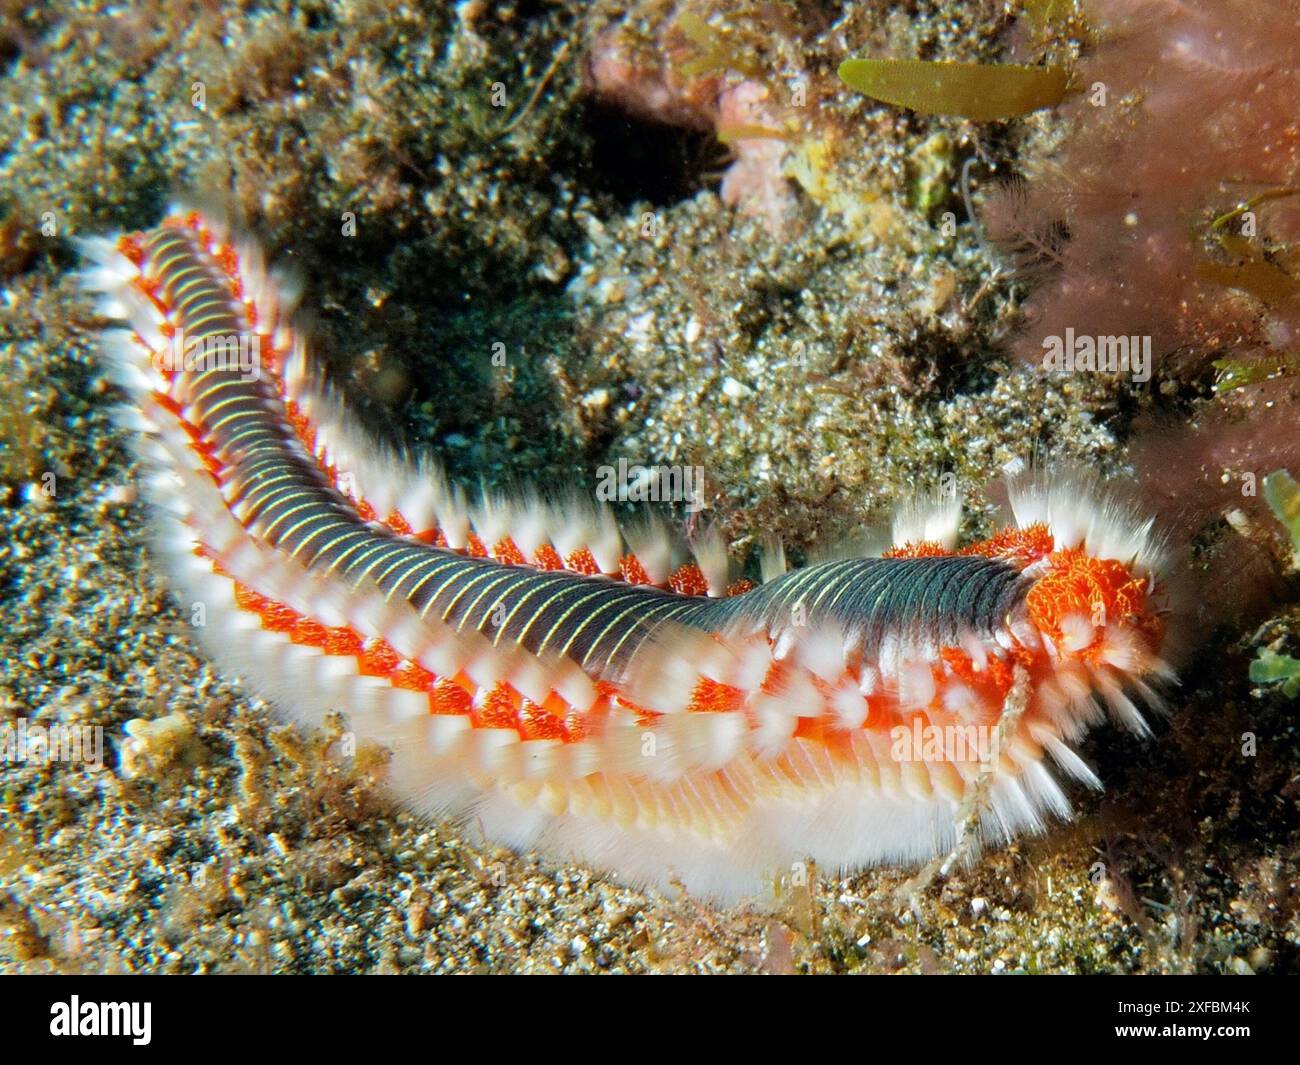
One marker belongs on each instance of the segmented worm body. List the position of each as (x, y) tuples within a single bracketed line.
[(553, 681)]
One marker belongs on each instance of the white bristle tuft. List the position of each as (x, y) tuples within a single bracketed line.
[(849, 706), (1065, 757), (822, 653), (1126, 713), (1080, 511), (931, 517), (649, 541), (710, 551), (772, 561)]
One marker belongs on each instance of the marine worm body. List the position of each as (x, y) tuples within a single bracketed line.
[(554, 682)]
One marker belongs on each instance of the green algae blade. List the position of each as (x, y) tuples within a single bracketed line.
[(1273, 668), (979, 91), (1238, 373), (1282, 495)]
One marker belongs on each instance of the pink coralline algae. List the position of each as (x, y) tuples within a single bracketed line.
[(663, 85), (1170, 213), (1171, 209)]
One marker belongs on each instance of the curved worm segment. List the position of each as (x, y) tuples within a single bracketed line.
[(570, 684)]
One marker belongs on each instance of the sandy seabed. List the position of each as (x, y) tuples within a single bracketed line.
[(214, 838)]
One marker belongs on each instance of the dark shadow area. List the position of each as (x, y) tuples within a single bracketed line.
[(636, 161)]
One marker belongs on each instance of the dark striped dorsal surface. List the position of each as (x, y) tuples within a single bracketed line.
[(286, 499)]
